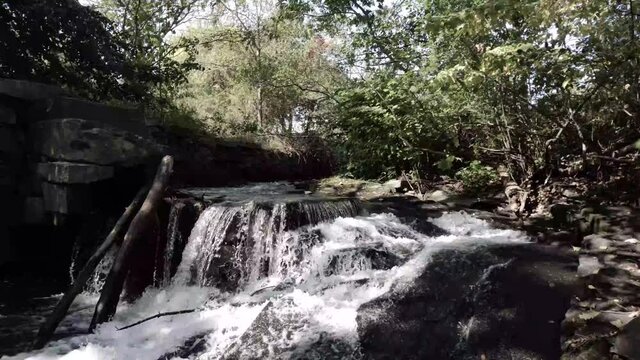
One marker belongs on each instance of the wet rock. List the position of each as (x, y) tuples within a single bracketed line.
[(595, 223), (561, 237), (73, 173), (344, 258), (570, 193), (438, 196), (594, 350), (492, 302), (589, 265), (627, 342), (424, 226), (596, 243), (195, 345), (561, 214), (393, 185), (270, 336)]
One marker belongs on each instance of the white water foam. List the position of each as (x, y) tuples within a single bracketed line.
[(315, 291)]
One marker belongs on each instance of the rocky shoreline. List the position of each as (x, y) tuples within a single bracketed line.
[(603, 321)]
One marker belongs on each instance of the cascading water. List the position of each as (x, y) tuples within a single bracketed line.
[(273, 279), (235, 245)]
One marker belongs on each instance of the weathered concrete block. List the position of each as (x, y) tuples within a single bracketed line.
[(128, 118), (33, 210), (28, 90), (73, 173), (7, 115), (64, 199), (86, 141)]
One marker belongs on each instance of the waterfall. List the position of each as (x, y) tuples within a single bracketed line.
[(174, 238), (271, 277), (234, 245)]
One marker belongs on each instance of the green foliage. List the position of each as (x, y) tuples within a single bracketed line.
[(519, 83), (62, 42), (392, 123), (477, 177), (269, 74), (395, 86), (160, 60), (120, 52)]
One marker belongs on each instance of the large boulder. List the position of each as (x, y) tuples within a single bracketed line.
[(272, 336), (88, 141), (493, 302)]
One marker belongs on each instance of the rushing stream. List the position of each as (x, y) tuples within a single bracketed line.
[(274, 277)]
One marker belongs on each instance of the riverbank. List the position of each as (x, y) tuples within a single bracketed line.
[(601, 227)]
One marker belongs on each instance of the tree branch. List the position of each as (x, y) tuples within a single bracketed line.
[(168, 313)]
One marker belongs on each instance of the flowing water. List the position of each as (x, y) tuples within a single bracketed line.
[(273, 277)]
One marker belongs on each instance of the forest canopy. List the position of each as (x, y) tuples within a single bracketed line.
[(395, 87)]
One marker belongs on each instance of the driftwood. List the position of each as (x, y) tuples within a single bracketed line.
[(168, 313), (108, 302), (49, 327)]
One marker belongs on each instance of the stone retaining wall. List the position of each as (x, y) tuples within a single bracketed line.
[(64, 159)]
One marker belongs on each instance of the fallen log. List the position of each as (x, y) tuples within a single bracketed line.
[(108, 302), (62, 307)]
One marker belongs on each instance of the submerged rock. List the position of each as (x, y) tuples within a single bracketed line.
[(379, 259), (627, 343), (493, 302), (272, 335)]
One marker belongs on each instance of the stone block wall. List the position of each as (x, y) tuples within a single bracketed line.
[(62, 161), (66, 163)]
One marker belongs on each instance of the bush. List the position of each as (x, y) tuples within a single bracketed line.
[(477, 177)]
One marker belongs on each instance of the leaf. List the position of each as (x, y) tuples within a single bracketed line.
[(447, 163)]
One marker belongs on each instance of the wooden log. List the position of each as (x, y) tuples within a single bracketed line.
[(62, 307), (108, 302)]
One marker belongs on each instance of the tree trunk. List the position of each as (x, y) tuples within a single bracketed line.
[(49, 327), (108, 302)]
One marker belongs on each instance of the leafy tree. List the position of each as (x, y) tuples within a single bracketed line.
[(148, 28), (262, 71), (65, 43), (524, 83)]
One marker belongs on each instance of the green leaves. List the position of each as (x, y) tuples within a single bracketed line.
[(477, 177)]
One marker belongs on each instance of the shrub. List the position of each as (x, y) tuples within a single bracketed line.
[(477, 177)]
